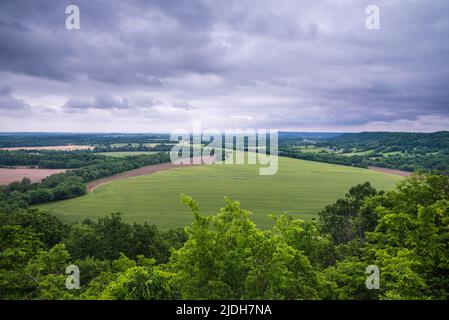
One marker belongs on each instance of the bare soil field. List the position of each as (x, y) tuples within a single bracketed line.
[(61, 148), (391, 171), (139, 172), (35, 175)]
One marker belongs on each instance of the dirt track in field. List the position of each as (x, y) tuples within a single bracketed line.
[(391, 171), (35, 175), (138, 172)]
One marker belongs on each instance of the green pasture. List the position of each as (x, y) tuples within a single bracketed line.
[(300, 188)]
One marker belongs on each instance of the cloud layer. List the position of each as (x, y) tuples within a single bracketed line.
[(161, 64)]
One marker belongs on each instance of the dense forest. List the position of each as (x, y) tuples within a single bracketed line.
[(403, 150), (393, 141), (52, 159), (162, 147), (403, 232)]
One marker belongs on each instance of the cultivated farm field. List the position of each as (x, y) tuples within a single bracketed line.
[(8, 175), (300, 188), (60, 148)]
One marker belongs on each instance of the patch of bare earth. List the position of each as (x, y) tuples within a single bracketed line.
[(391, 171), (60, 148), (35, 175), (145, 171)]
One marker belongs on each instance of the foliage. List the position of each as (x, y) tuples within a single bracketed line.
[(345, 219), (404, 232), (227, 257)]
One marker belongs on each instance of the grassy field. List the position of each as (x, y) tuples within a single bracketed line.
[(300, 188), (123, 154), (357, 153), (394, 153), (312, 149)]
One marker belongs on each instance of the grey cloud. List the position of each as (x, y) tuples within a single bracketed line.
[(10, 104), (99, 102), (183, 105), (282, 63), (74, 103), (5, 90)]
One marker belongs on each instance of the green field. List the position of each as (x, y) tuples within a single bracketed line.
[(357, 153), (300, 188), (312, 149), (122, 154), (394, 153)]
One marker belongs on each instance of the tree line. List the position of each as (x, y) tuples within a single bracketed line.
[(162, 147), (50, 159), (57, 159)]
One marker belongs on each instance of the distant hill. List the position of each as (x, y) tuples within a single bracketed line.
[(409, 151), (309, 135), (409, 140)]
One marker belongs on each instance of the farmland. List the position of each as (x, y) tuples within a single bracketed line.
[(60, 148), (35, 175), (155, 198)]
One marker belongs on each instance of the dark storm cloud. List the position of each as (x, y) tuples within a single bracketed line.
[(286, 64), (118, 43)]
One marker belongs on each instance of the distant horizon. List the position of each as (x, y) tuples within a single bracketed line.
[(167, 133)]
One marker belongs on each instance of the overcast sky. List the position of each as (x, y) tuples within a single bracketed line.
[(157, 65)]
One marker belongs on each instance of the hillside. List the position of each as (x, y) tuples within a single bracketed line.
[(400, 140), (407, 151)]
